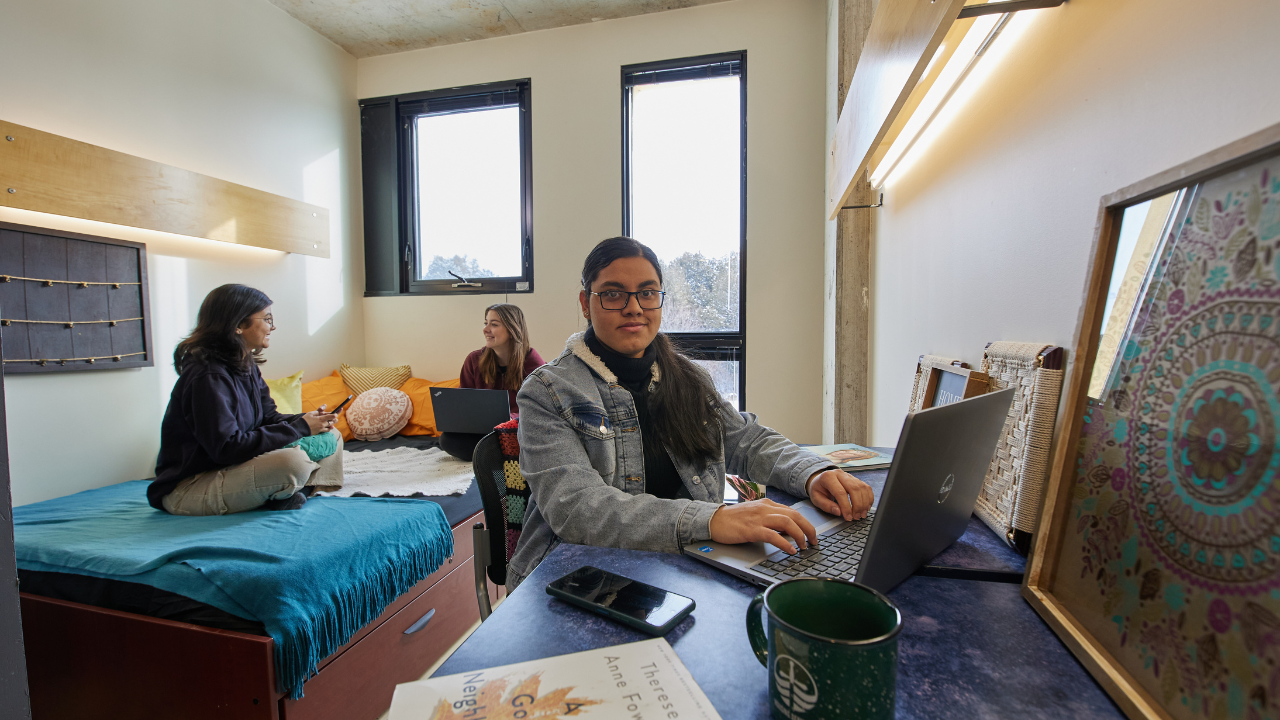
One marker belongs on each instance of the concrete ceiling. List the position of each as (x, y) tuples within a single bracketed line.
[(366, 28)]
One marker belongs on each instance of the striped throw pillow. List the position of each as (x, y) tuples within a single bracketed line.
[(361, 379)]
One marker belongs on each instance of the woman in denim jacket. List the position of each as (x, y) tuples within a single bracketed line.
[(625, 442)]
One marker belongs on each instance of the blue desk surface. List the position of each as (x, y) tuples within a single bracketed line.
[(968, 648)]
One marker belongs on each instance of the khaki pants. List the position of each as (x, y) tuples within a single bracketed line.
[(270, 476)]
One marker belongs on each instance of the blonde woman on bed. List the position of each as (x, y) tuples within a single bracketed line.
[(502, 364), (222, 441)]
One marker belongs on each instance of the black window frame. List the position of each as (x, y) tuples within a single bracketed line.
[(702, 346), (389, 158)]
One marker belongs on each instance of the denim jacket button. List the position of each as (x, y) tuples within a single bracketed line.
[(696, 480)]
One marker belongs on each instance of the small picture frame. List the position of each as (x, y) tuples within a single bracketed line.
[(948, 384)]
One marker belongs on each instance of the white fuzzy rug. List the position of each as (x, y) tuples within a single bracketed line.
[(401, 472)]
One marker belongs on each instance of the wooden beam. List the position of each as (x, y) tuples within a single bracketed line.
[(902, 39), (852, 360), (950, 43), (48, 173)]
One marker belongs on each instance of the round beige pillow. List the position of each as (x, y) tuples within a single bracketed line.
[(379, 413)]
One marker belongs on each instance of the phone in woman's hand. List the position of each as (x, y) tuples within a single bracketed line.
[(340, 406)]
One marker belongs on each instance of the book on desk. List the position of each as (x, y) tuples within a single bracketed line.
[(848, 456), (640, 679)]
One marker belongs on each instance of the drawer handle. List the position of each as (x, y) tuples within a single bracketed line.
[(422, 622)]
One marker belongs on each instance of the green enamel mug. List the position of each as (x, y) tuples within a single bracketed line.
[(831, 648)]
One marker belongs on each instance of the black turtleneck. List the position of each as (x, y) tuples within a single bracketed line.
[(660, 476)]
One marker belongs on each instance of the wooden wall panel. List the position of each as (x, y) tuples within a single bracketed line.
[(48, 173), (902, 39)]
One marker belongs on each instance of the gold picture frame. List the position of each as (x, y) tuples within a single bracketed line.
[(1059, 598)]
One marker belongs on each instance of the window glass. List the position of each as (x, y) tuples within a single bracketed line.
[(724, 373), (469, 194), (1143, 229), (685, 196)]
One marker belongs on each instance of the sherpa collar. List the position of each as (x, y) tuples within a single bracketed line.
[(577, 345)]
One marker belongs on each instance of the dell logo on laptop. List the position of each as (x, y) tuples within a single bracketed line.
[(946, 488)]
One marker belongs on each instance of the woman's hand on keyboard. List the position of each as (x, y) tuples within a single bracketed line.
[(762, 521), (839, 493)]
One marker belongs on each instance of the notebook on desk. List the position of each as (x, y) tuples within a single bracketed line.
[(941, 459)]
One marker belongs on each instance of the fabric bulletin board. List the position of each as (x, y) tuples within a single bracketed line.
[(72, 302)]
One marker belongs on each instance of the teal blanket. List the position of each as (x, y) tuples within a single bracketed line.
[(312, 576)]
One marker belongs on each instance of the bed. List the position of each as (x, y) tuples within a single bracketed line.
[(103, 648)]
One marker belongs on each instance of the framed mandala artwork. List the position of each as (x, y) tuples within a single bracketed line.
[(1157, 560)]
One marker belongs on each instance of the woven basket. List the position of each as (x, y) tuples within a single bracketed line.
[(927, 363), (1014, 487)]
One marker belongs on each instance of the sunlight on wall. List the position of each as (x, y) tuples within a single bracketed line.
[(322, 185), (172, 318), (1007, 42)]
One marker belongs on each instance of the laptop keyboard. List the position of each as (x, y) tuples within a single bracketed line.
[(836, 556)]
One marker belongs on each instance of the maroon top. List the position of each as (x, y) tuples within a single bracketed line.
[(470, 377)]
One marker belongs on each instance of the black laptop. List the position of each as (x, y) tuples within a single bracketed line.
[(466, 410)]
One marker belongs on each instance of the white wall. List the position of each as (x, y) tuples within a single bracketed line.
[(235, 89), (986, 230), (578, 176)]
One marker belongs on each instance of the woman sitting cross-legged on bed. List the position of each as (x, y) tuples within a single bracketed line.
[(223, 444), (502, 364), (624, 441)]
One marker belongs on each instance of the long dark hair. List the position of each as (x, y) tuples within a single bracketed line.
[(214, 340), (512, 318), (684, 404)]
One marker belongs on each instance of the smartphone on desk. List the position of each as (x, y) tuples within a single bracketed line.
[(630, 602)]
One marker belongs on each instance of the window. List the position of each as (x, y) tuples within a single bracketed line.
[(684, 190), (448, 203)]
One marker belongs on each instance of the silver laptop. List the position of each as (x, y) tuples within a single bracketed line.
[(466, 410), (937, 472)]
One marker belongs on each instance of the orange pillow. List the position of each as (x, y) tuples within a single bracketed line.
[(329, 392), (423, 421)]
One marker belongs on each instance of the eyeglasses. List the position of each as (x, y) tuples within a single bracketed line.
[(619, 299), (269, 320)]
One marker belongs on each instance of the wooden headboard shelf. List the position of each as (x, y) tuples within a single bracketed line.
[(47, 173), (900, 43)]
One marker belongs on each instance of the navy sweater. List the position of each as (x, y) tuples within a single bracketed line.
[(217, 417)]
